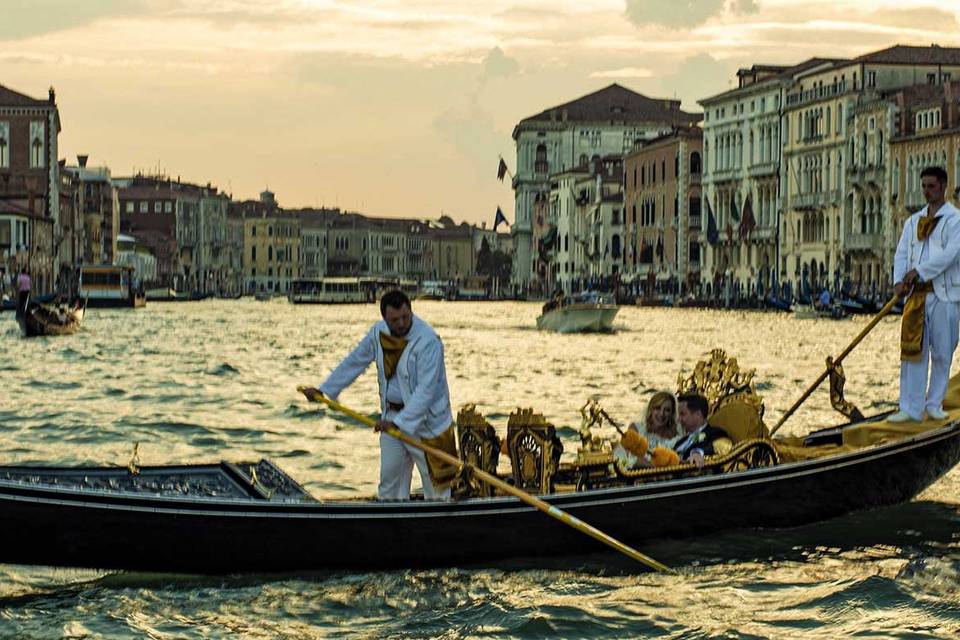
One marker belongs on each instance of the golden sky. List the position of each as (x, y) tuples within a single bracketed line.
[(393, 107)]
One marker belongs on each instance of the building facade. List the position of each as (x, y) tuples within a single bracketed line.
[(607, 122)]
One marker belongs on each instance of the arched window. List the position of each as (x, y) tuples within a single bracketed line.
[(695, 167), (541, 165)]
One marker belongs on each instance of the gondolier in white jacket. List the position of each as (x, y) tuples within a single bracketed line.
[(414, 396), (926, 268)]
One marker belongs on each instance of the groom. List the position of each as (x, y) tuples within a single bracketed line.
[(701, 439)]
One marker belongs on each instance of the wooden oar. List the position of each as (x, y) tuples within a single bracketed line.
[(823, 376), (531, 500)]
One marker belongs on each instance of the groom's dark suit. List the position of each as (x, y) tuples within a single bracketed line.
[(702, 440)]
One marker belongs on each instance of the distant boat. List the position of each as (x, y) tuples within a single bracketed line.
[(333, 290), (105, 285), (50, 319), (809, 312), (586, 314)]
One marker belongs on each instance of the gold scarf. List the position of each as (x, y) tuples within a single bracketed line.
[(911, 326), (392, 350), (442, 474)]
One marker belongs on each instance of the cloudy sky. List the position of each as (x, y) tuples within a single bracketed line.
[(393, 107)]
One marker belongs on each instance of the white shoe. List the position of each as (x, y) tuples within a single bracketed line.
[(936, 414), (901, 416)]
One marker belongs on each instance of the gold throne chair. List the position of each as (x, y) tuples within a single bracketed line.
[(479, 446), (534, 449)]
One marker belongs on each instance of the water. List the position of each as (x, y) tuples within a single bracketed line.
[(200, 382)]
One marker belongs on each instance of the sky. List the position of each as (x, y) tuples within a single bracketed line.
[(395, 108)]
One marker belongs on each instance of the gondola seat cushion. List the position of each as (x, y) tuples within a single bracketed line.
[(740, 420)]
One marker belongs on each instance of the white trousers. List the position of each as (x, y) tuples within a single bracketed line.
[(941, 326), (396, 470)]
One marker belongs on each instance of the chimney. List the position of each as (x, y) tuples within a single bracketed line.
[(82, 160), (53, 96)]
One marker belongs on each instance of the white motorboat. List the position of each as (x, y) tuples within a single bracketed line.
[(576, 316)]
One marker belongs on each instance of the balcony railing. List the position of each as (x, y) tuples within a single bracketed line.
[(864, 242), (694, 222), (763, 169), (815, 200)]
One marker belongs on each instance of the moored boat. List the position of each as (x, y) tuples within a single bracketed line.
[(105, 285)]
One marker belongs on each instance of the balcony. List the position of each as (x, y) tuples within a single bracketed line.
[(864, 242), (817, 200), (694, 222), (867, 173), (763, 169), (723, 175)]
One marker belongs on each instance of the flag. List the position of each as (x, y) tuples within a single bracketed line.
[(747, 222), (713, 235), (734, 214), (499, 218), (501, 170)]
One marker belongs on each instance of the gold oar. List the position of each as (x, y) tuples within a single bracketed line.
[(531, 500), (823, 376)]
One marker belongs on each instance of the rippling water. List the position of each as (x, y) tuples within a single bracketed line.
[(200, 382)]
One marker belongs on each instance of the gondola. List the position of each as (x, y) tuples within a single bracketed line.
[(252, 517), (51, 319)]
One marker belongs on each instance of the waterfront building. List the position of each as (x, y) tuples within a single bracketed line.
[(272, 251), (137, 256), (313, 241), (742, 179), (29, 187), (385, 247), (98, 204), (822, 159), (663, 212), (451, 256), (560, 139)]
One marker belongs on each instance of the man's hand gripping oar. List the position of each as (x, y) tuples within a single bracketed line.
[(314, 395)]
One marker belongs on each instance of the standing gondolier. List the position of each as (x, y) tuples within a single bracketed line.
[(414, 397), (925, 267), (23, 291)]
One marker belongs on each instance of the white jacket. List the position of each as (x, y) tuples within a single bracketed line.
[(943, 249), (420, 372)]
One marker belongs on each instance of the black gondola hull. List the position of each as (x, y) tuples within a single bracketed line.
[(111, 530)]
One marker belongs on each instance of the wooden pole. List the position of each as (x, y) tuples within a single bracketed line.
[(823, 376), (533, 501)]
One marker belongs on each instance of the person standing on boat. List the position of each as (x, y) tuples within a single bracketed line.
[(414, 397), (926, 269), (23, 290)]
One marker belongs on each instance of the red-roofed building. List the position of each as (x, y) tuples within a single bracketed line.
[(29, 186), (597, 125)]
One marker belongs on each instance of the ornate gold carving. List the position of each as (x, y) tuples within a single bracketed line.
[(837, 401), (534, 450), (720, 380), (479, 446), (134, 465)]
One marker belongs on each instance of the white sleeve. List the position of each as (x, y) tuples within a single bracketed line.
[(351, 367), (429, 364)]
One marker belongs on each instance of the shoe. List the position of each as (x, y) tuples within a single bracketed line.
[(936, 414), (901, 416)]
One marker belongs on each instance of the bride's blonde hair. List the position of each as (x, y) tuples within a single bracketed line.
[(656, 400)]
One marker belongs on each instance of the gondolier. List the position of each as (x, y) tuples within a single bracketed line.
[(925, 267), (414, 396)]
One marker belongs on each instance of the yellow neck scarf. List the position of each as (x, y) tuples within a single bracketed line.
[(392, 350), (911, 326)]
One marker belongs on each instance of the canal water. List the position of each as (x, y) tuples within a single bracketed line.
[(205, 381)]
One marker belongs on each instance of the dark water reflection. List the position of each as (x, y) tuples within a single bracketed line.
[(203, 381)]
